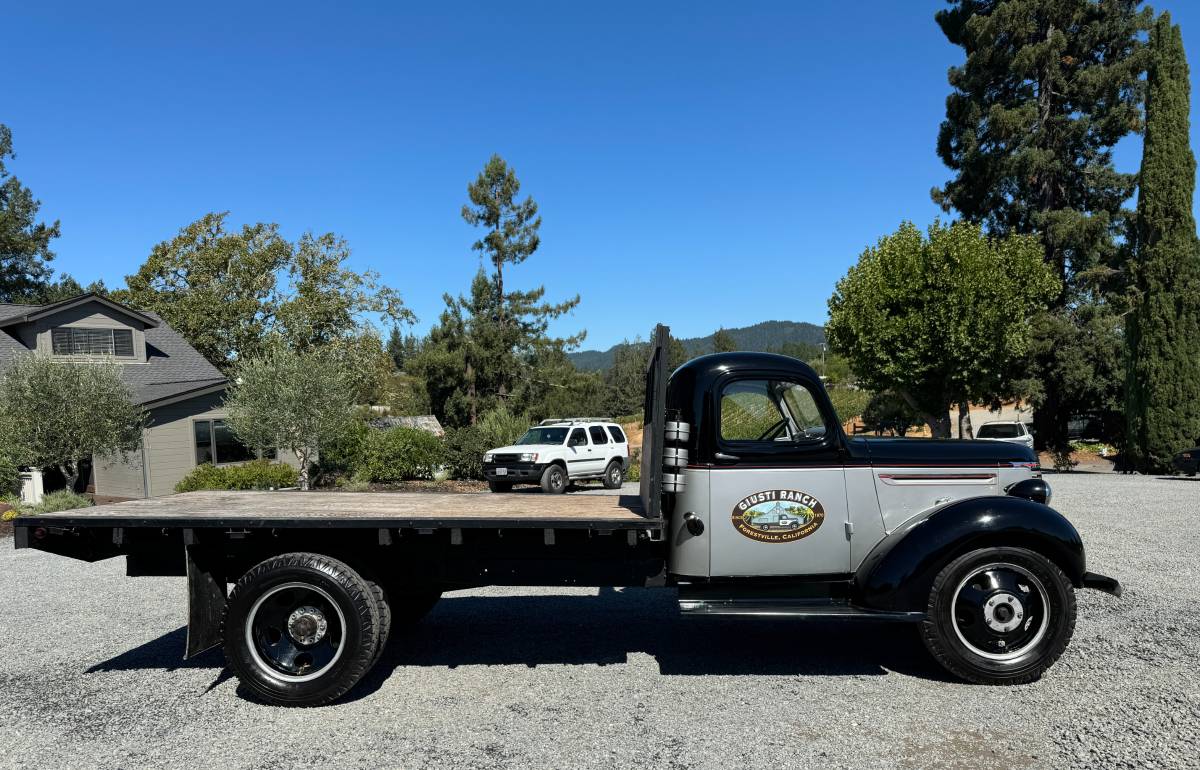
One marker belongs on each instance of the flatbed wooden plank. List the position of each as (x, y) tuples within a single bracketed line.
[(360, 509)]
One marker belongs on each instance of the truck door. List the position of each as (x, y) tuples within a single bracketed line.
[(778, 489)]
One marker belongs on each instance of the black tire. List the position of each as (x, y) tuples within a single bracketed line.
[(999, 616), (499, 486), (410, 606), (383, 604), (554, 480), (613, 475), (264, 615)]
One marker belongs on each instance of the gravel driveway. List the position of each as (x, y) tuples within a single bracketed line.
[(91, 676)]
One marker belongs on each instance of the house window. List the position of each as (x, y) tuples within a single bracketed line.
[(73, 341), (216, 444)]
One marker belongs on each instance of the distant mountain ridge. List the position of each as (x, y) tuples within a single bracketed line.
[(768, 335)]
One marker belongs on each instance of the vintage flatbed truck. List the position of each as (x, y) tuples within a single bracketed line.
[(752, 501)]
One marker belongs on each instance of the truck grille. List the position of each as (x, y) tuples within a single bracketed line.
[(506, 458)]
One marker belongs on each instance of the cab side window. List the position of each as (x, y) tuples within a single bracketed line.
[(598, 436), (770, 411), (578, 438)]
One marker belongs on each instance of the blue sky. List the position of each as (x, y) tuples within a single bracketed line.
[(698, 163)]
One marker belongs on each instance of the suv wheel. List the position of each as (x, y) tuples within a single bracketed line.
[(613, 476), (554, 480), (999, 616)]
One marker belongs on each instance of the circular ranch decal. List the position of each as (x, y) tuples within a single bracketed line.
[(778, 515)]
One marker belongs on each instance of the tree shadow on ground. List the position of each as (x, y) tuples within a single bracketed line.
[(604, 630)]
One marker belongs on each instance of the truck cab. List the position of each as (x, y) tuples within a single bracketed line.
[(765, 443), (774, 510)]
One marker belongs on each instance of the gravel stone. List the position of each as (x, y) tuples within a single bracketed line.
[(91, 676)]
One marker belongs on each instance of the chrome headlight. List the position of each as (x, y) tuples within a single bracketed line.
[(529, 457), (487, 457)]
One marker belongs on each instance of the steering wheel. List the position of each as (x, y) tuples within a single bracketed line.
[(774, 431)]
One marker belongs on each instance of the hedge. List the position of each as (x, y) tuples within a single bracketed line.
[(398, 454), (259, 474)]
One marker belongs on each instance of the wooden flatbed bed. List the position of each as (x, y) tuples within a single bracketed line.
[(385, 510)]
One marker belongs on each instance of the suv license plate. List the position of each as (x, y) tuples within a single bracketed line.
[(502, 471)]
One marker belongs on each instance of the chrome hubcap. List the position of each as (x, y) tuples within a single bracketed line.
[(1003, 612), (295, 632), (1000, 611), (307, 625)]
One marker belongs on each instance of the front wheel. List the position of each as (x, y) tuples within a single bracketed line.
[(554, 480), (301, 629), (999, 616), (613, 476)]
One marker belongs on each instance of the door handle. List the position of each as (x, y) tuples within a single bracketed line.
[(721, 457)]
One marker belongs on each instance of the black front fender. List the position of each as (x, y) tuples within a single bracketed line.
[(899, 571)]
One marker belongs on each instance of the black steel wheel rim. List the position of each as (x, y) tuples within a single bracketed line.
[(295, 632), (1000, 611)]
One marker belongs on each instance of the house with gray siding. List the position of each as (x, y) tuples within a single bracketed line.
[(180, 390)]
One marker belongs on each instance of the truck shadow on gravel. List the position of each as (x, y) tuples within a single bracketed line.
[(605, 630)]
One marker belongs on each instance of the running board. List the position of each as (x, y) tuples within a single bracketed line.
[(791, 609)]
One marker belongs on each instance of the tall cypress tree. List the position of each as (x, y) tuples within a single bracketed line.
[(1047, 89), (1163, 330)]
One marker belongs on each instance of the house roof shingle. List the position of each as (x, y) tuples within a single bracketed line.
[(172, 368)]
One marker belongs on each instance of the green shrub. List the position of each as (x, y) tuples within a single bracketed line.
[(500, 427), (15, 507), (348, 452), (62, 500), (353, 484), (634, 473), (10, 476), (52, 502), (398, 454), (464, 452), (259, 474)]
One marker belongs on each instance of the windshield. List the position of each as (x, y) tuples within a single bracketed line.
[(998, 431), (543, 436)]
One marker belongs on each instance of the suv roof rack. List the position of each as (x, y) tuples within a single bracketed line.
[(561, 420)]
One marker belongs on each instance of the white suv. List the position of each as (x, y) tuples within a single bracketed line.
[(557, 452), (1013, 432)]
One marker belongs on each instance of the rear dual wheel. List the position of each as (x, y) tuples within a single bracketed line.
[(301, 629), (999, 616)]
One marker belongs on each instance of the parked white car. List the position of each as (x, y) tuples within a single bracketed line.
[(1013, 432), (557, 452)]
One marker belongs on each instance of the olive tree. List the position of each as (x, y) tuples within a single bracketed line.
[(292, 400), (943, 319), (54, 414)]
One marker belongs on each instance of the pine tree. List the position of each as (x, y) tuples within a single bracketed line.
[(1163, 331), (1047, 89), (722, 341), (498, 336), (24, 242)]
